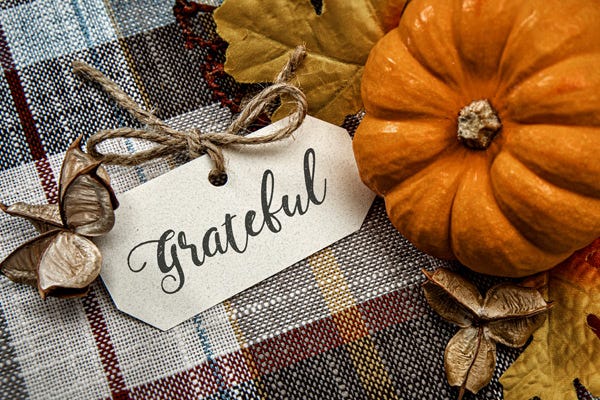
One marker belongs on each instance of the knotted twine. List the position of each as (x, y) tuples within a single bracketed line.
[(170, 141)]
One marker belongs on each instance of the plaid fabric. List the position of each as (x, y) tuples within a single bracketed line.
[(349, 322)]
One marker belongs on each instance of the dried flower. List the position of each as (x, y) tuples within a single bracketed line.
[(509, 314), (62, 261)]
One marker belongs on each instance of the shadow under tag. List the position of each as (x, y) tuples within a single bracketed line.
[(181, 245)]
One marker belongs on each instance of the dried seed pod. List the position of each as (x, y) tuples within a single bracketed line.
[(508, 314), (61, 261)]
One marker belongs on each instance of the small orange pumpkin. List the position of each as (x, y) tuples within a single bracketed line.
[(482, 130)]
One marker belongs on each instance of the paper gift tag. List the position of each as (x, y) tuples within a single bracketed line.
[(181, 245)]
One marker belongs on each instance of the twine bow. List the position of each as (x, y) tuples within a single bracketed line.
[(170, 141)]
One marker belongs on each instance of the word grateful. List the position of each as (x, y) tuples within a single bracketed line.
[(172, 245)]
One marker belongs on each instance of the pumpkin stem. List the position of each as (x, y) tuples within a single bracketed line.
[(478, 123)]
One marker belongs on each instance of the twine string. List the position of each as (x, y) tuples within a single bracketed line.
[(169, 141)]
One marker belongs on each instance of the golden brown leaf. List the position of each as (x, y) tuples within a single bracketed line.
[(565, 347), (262, 34)]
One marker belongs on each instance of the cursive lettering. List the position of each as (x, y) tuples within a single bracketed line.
[(221, 239)]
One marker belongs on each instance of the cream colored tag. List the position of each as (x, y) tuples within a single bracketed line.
[(181, 245)]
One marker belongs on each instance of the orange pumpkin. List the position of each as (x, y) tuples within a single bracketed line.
[(482, 130)]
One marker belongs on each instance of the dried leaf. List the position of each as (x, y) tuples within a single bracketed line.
[(21, 265), (87, 208), (470, 359), (263, 33), (44, 217), (564, 348), (69, 262)]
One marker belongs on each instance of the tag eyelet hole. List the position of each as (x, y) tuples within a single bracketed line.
[(217, 179)]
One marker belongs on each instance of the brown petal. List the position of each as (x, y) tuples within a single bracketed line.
[(21, 265), (511, 301), (455, 289), (446, 306), (70, 263), (514, 332), (470, 359), (75, 163), (87, 206), (44, 217)]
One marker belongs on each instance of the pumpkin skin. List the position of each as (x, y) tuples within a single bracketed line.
[(533, 196)]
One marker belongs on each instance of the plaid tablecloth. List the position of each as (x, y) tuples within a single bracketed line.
[(349, 322)]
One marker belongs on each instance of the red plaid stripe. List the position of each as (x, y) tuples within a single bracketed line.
[(279, 352), (92, 309), (27, 122)]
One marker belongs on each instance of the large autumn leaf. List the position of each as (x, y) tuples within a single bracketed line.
[(566, 347), (262, 34)]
